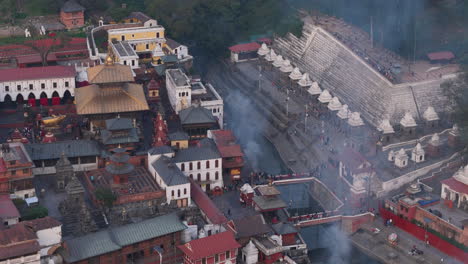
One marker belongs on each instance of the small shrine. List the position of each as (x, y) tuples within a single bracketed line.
[(431, 117), (408, 125), (64, 173), (153, 91), (433, 147), (160, 132), (250, 253), (401, 159), (418, 154)]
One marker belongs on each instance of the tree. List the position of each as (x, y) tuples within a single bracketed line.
[(106, 196), (44, 45), (35, 212)]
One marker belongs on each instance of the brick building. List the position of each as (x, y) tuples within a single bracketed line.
[(132, 243), (16, 175), (230, 151), (72, 14), (220, 248)]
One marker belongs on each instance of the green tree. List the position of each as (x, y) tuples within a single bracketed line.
[(35, 212), (106, 196)]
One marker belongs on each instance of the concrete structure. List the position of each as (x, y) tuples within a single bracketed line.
[(170, 178), (178, 89), (37, 82), (230, 151), (16, 175), (244, 52), (72, 14), (250, 253)]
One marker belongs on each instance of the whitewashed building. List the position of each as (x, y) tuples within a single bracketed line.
[(179, 89), (49, 235), (21, 84), (124, 54), (169, 176)]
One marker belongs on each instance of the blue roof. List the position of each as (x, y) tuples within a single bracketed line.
[(206, 151), (169, 172)]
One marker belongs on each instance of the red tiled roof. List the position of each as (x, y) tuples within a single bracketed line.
[(210, 245), (34, 73), (19, 50), (455, 185), (230, 151), (35, 58), (206, 205), (7, 207), (245, 47), (17, 241), (42, 223), (442, 55)]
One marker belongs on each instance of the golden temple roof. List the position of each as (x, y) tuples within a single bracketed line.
[(118, 98), (110, 72)]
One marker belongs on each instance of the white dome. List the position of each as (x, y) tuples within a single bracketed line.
[(455, 130), (278, 61), (385, 127), (314, 89), (401, 153), (158, 52), (286, 67), (263, 50), (391, 155), (408, 120), (246, 188), (271, 56), (295, 74), (355, 119), (82, 76), (325, 97), (344, 112), (418, 149), (305, 80), (430, 114), (334, 104)]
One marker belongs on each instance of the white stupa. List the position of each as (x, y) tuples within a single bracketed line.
[(278, 62), (325, 97), (408, 120), (344, 112), (334, 104), (295, 74), (286, 67), (355, 119), (430, 114), (263, 50), (385, 127), (305, 80), (271, 56), (314, 89)]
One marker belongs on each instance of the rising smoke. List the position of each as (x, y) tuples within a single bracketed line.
[(338, 245)]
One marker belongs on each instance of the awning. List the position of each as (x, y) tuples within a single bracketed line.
[(31, 200)]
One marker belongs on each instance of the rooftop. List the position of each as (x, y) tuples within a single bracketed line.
[(454, 216), (142, 17), (71, 149), (178, 77), (250, 226), (37, 73), (201, 93), (206, 205), (17, 241), (247, 47), (178, 135), (42, 223), (74, 45), (123, 49), (109, 73), (114, 239), (8, 208), (169, 172), (210, 245), (71, 6), (269, 203), (172, 43), (205, 150), (196, 115)]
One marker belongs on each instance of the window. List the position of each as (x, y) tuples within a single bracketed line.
[(125, 62), (42, 85), (198, 165), (228, 254), (182, 167), (198, 177), (185, 190), (25, 170), (216, 163), (54, 85), (31, 86), (178, 193), (13, 162), (133, 63), (133, 35), (13, 172), (216, 175), (157, 34), (190, 166), (172, 193), (191, 176), (122, 37), (147, 46), (7, 88), (207, 164), (207, 176), (216, 258), (18, 87), (203, 261), (67, 84)]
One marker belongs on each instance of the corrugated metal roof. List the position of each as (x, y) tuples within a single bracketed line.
[(160, 150), (71, 148), (118, 123), (36, 73), (178, 135), (210, 245), (109, 240)]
